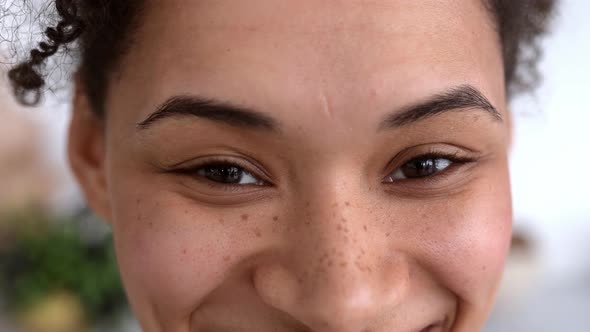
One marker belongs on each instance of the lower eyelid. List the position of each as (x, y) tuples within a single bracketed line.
[(228, 187)]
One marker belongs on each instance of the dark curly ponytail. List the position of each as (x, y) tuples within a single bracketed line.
[(103, 29), (26, 78)]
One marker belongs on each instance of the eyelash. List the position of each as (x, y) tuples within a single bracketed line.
[(193, 170), (222, 162), (456, 160)]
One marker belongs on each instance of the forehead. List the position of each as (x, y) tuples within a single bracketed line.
[(271, 53)]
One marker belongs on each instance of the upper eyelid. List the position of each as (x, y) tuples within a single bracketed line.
[(214, 160), (219, 161), (406, 156), (434, 178), (458, 154), (454, 157), (454, 161), (243, 160)]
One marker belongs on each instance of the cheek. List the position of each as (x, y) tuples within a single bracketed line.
[(469, 248), (172, 253)]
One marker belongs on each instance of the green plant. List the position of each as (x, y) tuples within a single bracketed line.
[(49, 256)]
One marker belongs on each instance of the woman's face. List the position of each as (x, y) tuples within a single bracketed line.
[(305, 165)]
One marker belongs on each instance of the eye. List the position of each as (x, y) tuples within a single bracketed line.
[(227, 174), (420, 168)]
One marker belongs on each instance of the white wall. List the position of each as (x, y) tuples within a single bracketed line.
[(551, 154)]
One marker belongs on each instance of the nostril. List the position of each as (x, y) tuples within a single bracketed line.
[(429, 328), (432, 328), (276, 286)]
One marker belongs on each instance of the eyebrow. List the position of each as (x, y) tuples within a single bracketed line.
[(212, 110), (460, 98)]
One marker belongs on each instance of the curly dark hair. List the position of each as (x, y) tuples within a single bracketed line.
[(103, 30)]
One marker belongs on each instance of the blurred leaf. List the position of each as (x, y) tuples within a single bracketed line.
[(49, 256)]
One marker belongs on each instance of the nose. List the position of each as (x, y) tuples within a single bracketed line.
[(335, 271)]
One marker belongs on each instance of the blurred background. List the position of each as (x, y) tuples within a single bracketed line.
[(57, 269)]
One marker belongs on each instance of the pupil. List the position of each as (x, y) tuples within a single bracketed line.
[(420, 168), (225, 174)]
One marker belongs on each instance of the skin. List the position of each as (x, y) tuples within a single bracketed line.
[(325, 244)]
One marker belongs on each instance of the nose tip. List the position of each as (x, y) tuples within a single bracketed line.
[(341, 297), (347, 306)]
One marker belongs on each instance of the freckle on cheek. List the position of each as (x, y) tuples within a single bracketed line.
[(275, 218), (244, 217)]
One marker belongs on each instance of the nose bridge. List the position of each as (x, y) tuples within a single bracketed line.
[(335, 222), (333, 235)]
